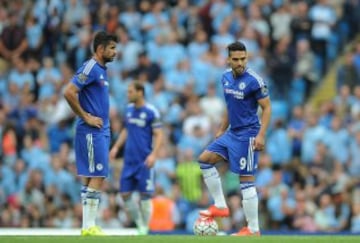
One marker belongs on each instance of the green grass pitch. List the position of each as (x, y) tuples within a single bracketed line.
[(177, 239)]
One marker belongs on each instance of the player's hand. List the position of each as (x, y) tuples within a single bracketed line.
[(150, 160), (113, 152), (259, 143), (93, 121)]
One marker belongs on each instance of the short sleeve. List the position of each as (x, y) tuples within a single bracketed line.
[(81, 79), (261, 88), (156, 121), (86, 74)]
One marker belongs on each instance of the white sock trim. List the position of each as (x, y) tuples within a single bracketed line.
[(211, 172), (249, 193)]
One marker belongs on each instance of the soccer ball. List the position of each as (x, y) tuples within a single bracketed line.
[(205, 226)]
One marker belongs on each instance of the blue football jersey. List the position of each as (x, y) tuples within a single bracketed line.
[(241, 96), (140, 123), (91, 79)]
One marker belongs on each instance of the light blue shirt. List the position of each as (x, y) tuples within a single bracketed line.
[(279, 146), (21, 79), (339, 142), (312, 136)]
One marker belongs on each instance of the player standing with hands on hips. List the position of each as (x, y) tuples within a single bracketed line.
[(142, 136), (239, 139), (88, 96)]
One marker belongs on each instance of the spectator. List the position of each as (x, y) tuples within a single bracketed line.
[(325, 216), (279, 141), (301, 24), (347, 74), (281, 68), (145, 65), (305, 68), (355, 220), (165, 215), (13, 42)]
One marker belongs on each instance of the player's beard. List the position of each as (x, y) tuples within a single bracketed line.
[(238, 71), (108, 59)]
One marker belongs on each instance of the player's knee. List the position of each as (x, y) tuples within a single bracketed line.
[(126, 196), (145, 196), (247, 179), (203, 158), (208, 158)]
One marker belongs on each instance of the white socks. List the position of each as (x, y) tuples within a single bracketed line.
[(250, 205), (135, 212), (141, 217), (146, 209), (90, 202), (213, 183)]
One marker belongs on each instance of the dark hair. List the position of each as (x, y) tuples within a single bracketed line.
[(236, 46), (139, 87), (104, 39)]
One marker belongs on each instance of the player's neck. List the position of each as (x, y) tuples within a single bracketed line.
[(140, 103), (98, 60), (236, 75)]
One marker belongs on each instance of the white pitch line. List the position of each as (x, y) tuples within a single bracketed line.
[(56, 231)]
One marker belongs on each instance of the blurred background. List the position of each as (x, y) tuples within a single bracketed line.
[(308, 51)]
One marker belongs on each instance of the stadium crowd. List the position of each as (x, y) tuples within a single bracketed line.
[(308, 176)]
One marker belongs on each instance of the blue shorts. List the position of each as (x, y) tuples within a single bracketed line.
[(137, 177), (237, 150), (92, 154)]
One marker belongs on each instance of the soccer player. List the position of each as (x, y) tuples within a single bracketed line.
[(239, 139), (142, 136), (88, 96)]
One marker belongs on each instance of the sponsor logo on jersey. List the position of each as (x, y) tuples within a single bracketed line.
[(137, 121), (237, 94)]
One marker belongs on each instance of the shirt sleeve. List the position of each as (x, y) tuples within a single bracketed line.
[(156, 121), (81, 80), (261, 89)]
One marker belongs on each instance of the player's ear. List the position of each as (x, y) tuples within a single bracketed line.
[(228, 60), (100, 48)]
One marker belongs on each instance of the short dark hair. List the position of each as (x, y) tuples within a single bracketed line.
[(103, 38), (236, 46), (139, 87)]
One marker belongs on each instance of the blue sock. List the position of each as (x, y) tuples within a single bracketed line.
[(204, 165)]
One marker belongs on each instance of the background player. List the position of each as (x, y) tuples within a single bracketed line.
[(88, 96), (240, 142), (142, 136)]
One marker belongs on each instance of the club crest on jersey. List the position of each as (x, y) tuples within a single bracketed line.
[(142, 115), (242, 85), (99, 167)]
